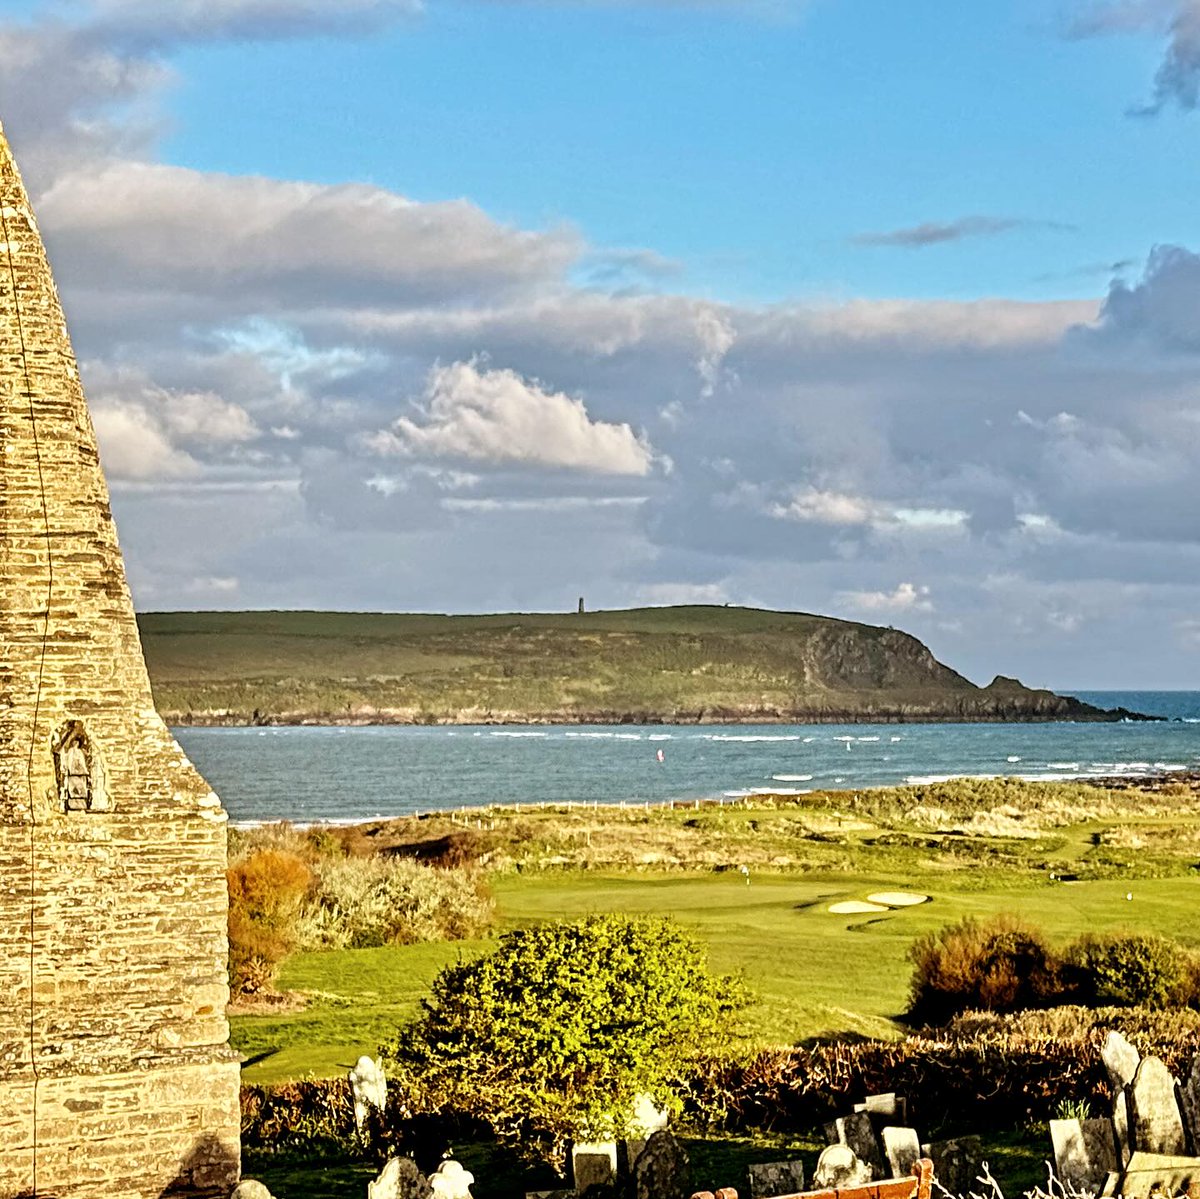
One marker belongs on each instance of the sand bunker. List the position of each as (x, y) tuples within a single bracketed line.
[(897, 899), (855, 907)]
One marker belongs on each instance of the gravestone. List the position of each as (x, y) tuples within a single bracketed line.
[(839, 1167), (249, 1188), (891, 1105), (1120, 1059), (1189, 1101), (1157, 1175), (775, 1178), (901, 1147), (400, 1179), (368, 1086), (1085, 1152), (956, 1163), (647, 1119), (662, 1170), (857, 1132), (593, 1164), (451, 1181), (1154, 1118), (1121, 1131)]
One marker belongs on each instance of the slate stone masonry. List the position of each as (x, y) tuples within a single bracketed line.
[(117, 1076)]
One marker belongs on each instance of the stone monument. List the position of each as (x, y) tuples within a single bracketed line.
[(117, 1077)]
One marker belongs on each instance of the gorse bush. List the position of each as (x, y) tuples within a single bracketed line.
[(1003, 965), (295, 889), (361, 902), (266, 891), (999, 965), (1125, 969), (553, 1035)]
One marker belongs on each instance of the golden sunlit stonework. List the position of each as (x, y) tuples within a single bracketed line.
[(116, 1076)]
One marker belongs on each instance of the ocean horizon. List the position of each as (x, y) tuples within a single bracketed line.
[(349, 774)]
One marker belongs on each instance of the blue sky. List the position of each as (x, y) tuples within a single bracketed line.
[(884, 310), (748, 149)]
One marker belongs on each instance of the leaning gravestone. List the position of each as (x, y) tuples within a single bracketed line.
[(662, 1170), (368, 1086), (857, 1132), (1154, 1117), (901, 1147), (400, 1179), (647, 1118), (1085, 1153), (956, 1163), (775, 1178), (890, 1105), (839, 1167), (1120, 1059), (1189, 1101), (593, 1164)]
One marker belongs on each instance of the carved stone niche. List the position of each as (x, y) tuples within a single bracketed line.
[(79, 770)]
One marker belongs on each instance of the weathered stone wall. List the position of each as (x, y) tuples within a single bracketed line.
[(115, 1074)]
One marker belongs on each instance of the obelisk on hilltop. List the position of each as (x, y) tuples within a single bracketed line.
[(116, 1077)]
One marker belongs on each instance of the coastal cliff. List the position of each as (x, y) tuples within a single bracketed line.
[(697, 664)]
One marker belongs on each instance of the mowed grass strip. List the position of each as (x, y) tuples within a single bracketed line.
[(813, 973)]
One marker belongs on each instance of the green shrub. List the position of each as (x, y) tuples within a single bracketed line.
[(554, 1034), (266, 890), (362, 902), (1128, 969), (999, 965)]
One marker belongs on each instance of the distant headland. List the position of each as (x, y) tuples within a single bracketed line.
[(679, 665)]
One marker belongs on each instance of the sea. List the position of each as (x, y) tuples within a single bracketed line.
[(350, 774)]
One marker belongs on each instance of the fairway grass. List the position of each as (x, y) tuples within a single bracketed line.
[(812, 973)]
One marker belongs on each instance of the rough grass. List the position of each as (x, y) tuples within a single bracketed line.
[(685, 663)]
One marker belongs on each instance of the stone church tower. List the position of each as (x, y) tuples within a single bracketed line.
[(116, 1076)]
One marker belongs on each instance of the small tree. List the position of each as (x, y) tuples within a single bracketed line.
[(554, 1034)]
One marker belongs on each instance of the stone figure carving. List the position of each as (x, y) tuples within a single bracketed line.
[(78, 770)]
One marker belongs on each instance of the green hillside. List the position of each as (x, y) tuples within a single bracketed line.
[(684, 664)]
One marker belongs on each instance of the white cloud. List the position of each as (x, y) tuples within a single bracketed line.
[(668, 594), (496, 416), (908, 597), (827, 508)]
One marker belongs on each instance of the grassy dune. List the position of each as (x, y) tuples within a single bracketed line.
[(652, 664)]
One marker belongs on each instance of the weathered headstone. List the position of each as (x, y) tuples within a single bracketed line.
[(593, 1164), (662, 1170), (250, 1188), (1120, 1059), (1085, 1152), (839, 1167), (901, 1147), (1154, 1117), (956, 1163), (451, 1181), (400, 1179), (891, 1105), (368, 1086), (857, 1132), (1157, 1174), (1121, 1130), (775, 1178), (1189, 1101), (560, 1193)]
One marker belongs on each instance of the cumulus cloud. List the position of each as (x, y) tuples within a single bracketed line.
[(496, 416), (261, 242), (907, 597), (932, 233)]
